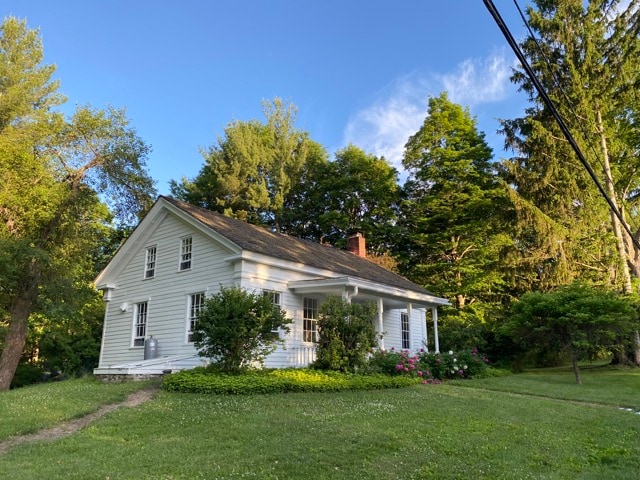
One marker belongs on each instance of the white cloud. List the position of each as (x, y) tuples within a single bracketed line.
[(478, 81), (384, 127)]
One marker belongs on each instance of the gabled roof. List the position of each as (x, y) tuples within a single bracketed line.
[(284, 247)]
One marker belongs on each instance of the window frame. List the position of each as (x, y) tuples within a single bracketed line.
[(310, 323), (150, 259), (137, 339), (185, 258), (278, 303), (405, 330), (192, 316)]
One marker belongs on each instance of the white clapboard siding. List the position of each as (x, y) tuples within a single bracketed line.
[(167, 292)]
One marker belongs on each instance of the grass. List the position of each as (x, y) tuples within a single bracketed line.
[(448, 431), (605, 385), (29, 409)]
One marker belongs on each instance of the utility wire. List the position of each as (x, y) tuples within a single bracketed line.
[(558, 118)]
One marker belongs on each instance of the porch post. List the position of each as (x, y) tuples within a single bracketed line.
[(380, 323), (434, 314), (425, 337)]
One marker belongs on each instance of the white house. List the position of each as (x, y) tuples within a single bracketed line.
[(155, 285)]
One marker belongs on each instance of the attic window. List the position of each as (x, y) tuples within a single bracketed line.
[(150, 263), (185, 253)]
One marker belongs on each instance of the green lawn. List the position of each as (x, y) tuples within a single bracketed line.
[(29, 409), (454, 430)]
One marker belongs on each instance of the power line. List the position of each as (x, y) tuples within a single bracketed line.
[(556, 115)]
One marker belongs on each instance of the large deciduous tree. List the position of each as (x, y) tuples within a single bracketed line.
[(356, 191), (57, 174), (251, 170)]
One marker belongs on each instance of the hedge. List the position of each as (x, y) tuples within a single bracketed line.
[(203, 380)]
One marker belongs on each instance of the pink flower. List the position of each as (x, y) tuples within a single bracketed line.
[(399, 367), (424, 382), (419, 373), (406, 369)]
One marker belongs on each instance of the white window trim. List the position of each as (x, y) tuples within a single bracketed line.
[(314, 321), (134, 328), (403, 316), (188, 316), (180, 261), (272, 293), (146, 262)]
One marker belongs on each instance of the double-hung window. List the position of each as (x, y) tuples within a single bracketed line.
[(186, 246), (274, 297), (196, 302), (150, 262), (310, 320), (140, 323), (405, 330)]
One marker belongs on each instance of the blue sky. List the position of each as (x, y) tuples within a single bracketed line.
[(359, 71)]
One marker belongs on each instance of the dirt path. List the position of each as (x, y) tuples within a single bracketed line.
[(70, 427)]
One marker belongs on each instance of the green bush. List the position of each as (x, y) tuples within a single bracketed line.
[(430, 367), (27, 374), (451, 365), (345, 334), (236, 328), (206, 380)]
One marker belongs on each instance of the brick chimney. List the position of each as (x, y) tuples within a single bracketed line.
[(356, 244)]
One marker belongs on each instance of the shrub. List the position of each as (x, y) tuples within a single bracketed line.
[(430, 367), (346, 334), (450, 365), (236, 328), (207, 380)]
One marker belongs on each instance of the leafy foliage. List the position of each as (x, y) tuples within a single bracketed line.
[(346, 334), (236, 328), (203, 380), (65, 181), (454, 218), (249, 173), (577, 320), (430, 367)]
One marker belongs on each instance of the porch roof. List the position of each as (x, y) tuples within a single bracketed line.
[(361, 289)]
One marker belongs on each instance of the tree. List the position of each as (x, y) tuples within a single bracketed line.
[(252, 169), (577, 320), (585, 54), (346, 334), (453, 219), (56, 172), (354, 192), (236, 328)]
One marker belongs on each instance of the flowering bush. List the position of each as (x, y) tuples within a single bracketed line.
[(431, 367), (400, 362), (451, 365)]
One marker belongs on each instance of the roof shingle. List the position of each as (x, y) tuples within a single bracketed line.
[(284, 247)]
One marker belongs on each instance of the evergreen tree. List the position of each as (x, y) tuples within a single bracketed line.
[(453, 217)]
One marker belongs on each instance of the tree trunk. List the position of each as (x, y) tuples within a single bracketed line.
[(21, 309), (576, 369), (615, 221)]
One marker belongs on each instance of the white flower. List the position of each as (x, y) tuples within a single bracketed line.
[(465, 367), (450, 352)]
